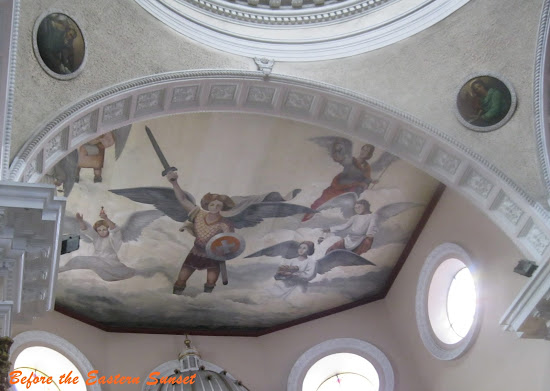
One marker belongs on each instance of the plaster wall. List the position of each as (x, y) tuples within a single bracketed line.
[(497, 360), (123, 42), (422, 74), (419, 75)]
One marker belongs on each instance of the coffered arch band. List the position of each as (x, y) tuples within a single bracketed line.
[(330, 107)]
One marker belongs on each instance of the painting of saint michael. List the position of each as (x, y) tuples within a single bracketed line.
[(233, 224)]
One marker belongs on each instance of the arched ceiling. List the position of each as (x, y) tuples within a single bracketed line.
[(274, 170)]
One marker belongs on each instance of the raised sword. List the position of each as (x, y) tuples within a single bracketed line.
[(167, 167)]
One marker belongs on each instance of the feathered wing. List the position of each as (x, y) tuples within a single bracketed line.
[(329, 141), (256, 213), (71, 226), (383, 162), (121, 135), (273, 196), (345, 202), (288, 250), (390, 210), (340, 258), (163, 198), (131, 230), (69, 166), (390, 235)]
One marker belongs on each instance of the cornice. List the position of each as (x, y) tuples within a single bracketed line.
[(277, 35)]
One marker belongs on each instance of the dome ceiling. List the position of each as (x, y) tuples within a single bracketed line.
[(287, 183), (299, 30)]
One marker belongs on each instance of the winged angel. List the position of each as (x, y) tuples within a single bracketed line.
[(107, 239), (216, 214), (359, 229), (356, 175), (299, 267), (90, 155)]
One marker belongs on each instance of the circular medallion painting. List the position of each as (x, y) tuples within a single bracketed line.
[(485, 103), (59, 45)]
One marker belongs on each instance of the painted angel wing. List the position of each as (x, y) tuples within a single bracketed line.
[(345, 202), (383, 162), (121, 135), (390, 210), (288, 250), (71, 226), (340, 258), (340, 145), (390, 235), (131, 230), (163, 198), (256, 213), (69, 166)]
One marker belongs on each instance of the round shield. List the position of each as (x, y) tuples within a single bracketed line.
[(225, 246)]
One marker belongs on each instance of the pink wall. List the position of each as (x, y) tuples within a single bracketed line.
[(498, 360)]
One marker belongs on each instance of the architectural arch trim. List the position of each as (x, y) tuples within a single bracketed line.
[(198, 20), (335, 108), (542, 96), (43, 338), (6, 112), (342, 345)]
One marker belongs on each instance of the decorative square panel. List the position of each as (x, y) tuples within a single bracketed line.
[(117, 111), (150, 102), (222, 93), (185, 96), (335, 111), (262, 96), (374, 125), (56, 144), (508, 208), (34, 167), (536, 238), (444, 161), (298, 102), (410, 142), (85, 125), (477, 183)]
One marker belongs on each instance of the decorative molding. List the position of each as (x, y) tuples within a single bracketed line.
[(435, 346), (291, 13), (342, 345), (264, 64), (542, 95), (6, 111), (29, 246), (282, 96), (529, 315), (219, 24), (43, 338)]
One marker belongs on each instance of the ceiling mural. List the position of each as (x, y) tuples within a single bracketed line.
[(230, 223)]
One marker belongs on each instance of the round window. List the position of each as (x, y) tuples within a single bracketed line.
[(41, 363), (446, 302), (342, 364), (342, 371)]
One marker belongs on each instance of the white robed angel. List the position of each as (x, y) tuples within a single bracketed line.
[(107, 239)]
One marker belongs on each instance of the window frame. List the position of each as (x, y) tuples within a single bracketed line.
[(438, 348), (342, 345)]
